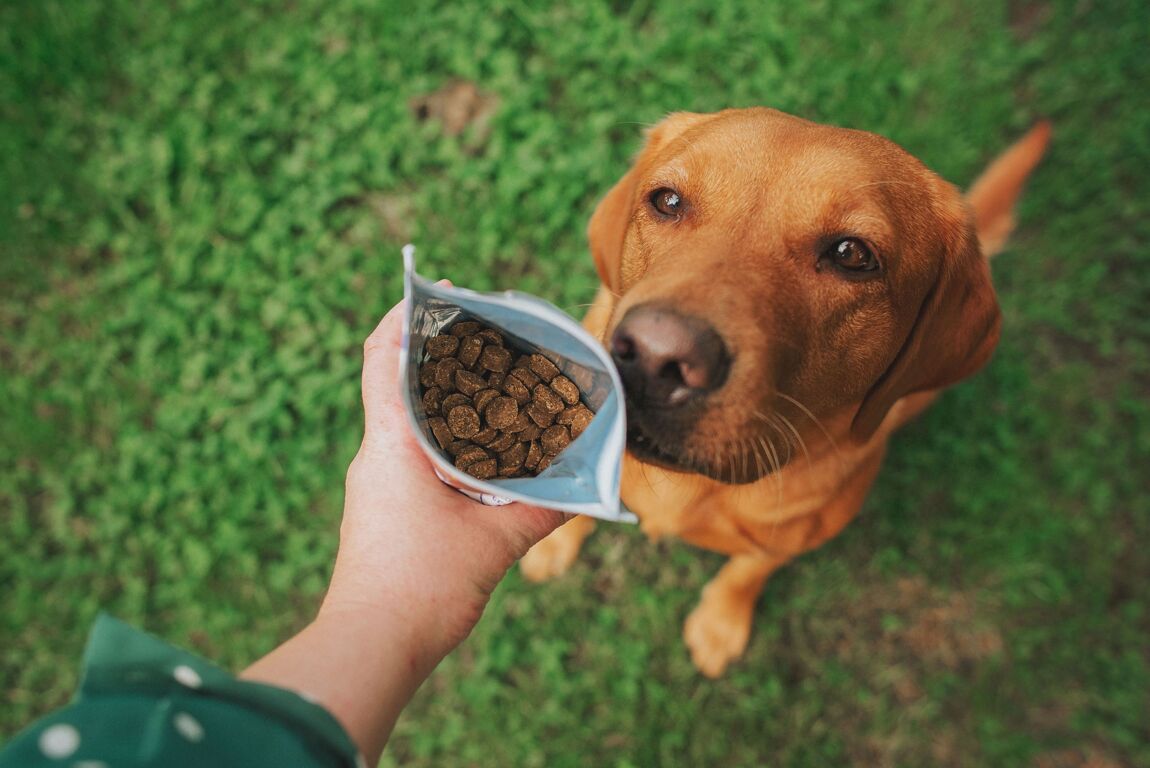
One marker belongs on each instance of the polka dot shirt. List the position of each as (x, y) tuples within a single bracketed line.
[(144, 703)]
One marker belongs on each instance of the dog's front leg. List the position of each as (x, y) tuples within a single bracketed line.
[(717, 630), (553, 555)]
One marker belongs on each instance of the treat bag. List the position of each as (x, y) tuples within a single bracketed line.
[(584, 477)]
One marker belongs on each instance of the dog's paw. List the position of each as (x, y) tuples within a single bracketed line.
[(717, 631), (551, 556)]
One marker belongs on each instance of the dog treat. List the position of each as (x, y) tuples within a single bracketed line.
[(469, 350), (463, 421), (566, 389), (555, 438), (442, 346), (469, 383), (465, 328), (501, 412), (496, 411), (543, 368), (445, 373), (451, 401), (440, 431), (495, 358)]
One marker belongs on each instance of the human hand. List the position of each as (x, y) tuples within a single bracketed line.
[(408, 543)]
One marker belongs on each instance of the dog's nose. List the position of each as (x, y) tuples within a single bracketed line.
[(668, 359)]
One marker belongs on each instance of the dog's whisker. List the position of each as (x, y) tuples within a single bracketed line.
[(802, 445), (777, 467), (790, 439), (826, 433), (773, 423), (751, 448)]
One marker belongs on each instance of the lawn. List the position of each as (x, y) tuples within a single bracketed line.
[(201, 209)]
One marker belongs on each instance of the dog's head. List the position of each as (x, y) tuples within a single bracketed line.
[(770, 272)]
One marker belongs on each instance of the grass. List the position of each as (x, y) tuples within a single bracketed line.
[(201, 205)]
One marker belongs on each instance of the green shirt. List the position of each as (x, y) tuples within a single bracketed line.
[(144, 703)]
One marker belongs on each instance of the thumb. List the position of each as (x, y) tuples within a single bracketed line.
[(381, 381)]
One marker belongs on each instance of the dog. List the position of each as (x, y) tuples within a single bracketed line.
[(779, 297)]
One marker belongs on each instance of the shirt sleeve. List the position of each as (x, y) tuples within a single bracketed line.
[(143, 702)]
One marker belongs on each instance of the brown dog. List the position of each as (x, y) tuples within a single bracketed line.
[(779, 297)]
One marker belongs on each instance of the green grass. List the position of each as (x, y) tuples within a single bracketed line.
[(201, 205)]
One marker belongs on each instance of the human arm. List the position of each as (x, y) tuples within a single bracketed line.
[(417, 562)]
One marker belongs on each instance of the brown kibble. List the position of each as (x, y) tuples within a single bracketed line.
[(445, 374), (465, 328), (503, 442), (580, 422), (427, 374), (511, 460), (431, 400), (482, 398), (469, 350), (534, 454), (456, 447), (501, 412), (440, 430), (568, 415), (469, 454), (463, 421), (454, 400), (495, 359), (469, 383), (441, 346), (555, 439), (517, 390), (566, 389), (539, 414), (498, 412), (485, 436), (483, 470), (542, 367), (521, 423), (546, 399), (491, 336), (528, 378)]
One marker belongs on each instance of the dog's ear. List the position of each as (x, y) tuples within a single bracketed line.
[(958, 325), (608, 226), (954, 334)]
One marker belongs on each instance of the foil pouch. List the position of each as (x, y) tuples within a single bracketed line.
[(584, 477)]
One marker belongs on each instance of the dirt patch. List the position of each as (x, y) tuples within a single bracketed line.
[(458, 106), (1075, 758), (1027, 17), (896, 640), (366, 217), (930, 625)]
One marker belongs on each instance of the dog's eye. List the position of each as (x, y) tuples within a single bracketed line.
[(853, 255), (667, 202)]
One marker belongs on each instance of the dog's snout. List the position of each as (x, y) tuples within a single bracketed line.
[(668, 359)]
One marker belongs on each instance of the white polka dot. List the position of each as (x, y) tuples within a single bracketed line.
[(89, 764), (185, 675), (188, 726), (59, 741), (359, 761)]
